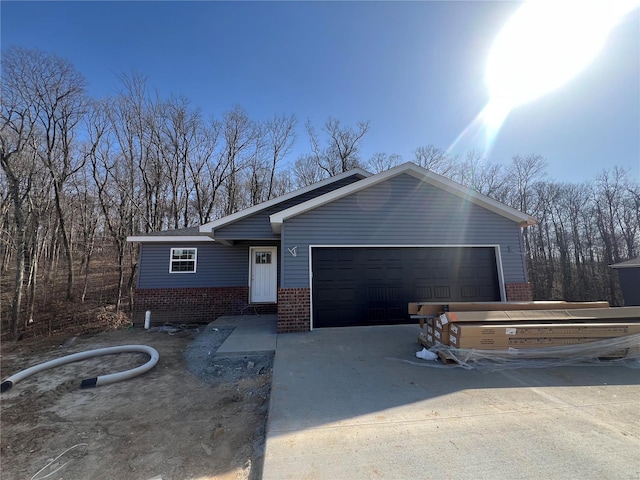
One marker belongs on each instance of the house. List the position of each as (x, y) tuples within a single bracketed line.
[(629, 276), (353, 249)]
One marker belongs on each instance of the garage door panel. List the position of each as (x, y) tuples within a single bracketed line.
[(468, 292), (440, 273), (394, 273), (486, 291), (346, 255), (372, 285), (325, 294), (332, 318), (376, 315), (324, 255), (374, 272), (442, 292), (395, 293), (344, 274), (421, 273), (346, 294), (423, 293), (375, 294), (485, 273), (467, 272), (397, 314)]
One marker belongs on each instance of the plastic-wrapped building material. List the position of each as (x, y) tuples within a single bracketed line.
[(623, 350)]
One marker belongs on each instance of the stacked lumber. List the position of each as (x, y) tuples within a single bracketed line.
[(524, 325)]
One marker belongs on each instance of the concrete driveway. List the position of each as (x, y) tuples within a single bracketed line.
[(355, 403)]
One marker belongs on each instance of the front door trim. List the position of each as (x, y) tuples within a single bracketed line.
[(266, 292)]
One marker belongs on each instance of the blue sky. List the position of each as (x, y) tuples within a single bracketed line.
[(415, 70)]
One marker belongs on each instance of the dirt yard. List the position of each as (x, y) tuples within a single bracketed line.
[(195, 415)]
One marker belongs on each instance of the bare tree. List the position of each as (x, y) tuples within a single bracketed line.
[(206, 174), (133, 116), (20, 139), (280, 137), (341, 150), (52, 92), (381, 162), (242, 142), (176, 139), (434, 159), (307, 171), (115, 183), (475, 172)]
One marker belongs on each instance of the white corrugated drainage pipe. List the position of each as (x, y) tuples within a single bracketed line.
[(95, 381)]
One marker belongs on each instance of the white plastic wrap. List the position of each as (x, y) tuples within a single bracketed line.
[(621, 351)]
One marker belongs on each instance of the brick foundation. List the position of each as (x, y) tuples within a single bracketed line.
[(294, 310), (193, 305), (519, 292)]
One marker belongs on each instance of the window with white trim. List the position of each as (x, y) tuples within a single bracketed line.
[(183, 260)]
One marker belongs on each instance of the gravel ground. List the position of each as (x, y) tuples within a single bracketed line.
[(201, 359)]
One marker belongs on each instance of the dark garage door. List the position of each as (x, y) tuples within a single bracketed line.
[(372, 285)]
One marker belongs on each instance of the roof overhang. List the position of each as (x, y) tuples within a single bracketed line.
[(427, 176), (168, 238), (633, 263)]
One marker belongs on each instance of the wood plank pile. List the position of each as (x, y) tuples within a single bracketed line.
[(527, 327)]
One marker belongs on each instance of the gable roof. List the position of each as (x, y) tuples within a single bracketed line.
[(234, 217), (420, 173)]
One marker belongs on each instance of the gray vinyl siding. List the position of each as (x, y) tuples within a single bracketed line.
[(258, 226), (399, 211), (217, 266)]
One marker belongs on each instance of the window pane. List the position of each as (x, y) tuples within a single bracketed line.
[(183, 266), (263, 258), (184, 254)]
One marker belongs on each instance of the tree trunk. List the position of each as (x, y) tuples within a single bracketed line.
[(65, 241), (16, 304)]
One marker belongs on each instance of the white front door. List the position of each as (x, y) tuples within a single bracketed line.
[(263, 274)]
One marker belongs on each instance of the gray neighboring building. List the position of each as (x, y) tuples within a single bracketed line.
[(629, 276), (353, 249)]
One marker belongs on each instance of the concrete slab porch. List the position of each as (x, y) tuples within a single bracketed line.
[(252, 333)]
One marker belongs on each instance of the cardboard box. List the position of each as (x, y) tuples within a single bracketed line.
[(552, 316), (441, 337), (413, 308), (555, 330), (436, 308), (441, 331), (426, 340), (504, 342), (431, 308)]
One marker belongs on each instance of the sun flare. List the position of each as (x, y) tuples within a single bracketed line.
[(546, 43), (542, 47)]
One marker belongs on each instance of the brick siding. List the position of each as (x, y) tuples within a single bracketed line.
[(193, 305), (519, 292), (294, 310)]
